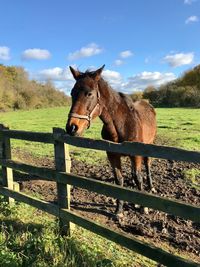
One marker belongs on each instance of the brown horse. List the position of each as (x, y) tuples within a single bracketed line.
[(123, 120)]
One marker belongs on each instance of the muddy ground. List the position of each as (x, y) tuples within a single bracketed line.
[(156, 227)]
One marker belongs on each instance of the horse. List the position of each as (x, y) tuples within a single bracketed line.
[(123, 120)]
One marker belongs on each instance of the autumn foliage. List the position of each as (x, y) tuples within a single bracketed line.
[(183, 92), (17, 91)]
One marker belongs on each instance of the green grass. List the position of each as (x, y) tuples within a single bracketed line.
[(176, 127), (43, 120), (29, 237), (179, 127), (192, 176)]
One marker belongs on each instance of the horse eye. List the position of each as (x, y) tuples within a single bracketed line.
[(88, 94)]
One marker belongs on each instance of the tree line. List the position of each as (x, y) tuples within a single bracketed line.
[(17, 91), (183, 92)]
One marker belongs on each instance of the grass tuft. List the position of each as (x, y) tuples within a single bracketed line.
[(29, 237), (192, 176)]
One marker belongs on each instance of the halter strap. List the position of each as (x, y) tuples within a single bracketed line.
[(87, 117)]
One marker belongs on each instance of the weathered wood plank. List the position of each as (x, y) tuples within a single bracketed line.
[(174, 207), (16, 186), (132, 148), (169, 206), (1, 148), (7, 173), (32, 201), (126, 148), (134, 244), (30, 136), (143, 248), (63, 164)]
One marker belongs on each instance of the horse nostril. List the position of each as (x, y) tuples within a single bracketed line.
[(72, 129)]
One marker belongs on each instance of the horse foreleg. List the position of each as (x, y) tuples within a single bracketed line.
[(147, 163), (136, 163), (136, 172), (119, 180)]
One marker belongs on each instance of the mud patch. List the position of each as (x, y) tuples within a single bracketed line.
[(159, 228)]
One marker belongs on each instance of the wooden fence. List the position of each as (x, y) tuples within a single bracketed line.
[(64, 179)]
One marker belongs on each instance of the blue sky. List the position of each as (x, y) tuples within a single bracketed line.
[(141, 42)]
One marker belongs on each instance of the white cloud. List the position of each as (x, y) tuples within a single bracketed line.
[(136, 82), (126, 53), (86, 51), (123, 55), (118, 62), (180, 59), (63, 79), (55, 74), (4, 53), (189, 2), (114, 78), (36, 53), (191, 19), (141, 80)]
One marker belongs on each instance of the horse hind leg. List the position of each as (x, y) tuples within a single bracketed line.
[(115, 162)]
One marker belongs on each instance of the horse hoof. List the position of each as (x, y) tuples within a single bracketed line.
[(144, 210), (137, 206), (134, 184), (153, 190)]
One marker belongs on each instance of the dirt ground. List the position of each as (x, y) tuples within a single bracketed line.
[(158, 228)]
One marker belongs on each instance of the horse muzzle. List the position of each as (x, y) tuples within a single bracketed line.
[(72, 129)]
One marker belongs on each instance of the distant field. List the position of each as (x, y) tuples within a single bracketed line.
[(179, 127), (176, 127)]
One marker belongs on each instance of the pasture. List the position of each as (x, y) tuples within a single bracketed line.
[(176, 127)]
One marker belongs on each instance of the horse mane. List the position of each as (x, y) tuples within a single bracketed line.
[(109, 91)]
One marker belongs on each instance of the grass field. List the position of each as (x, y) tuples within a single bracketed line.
[(29, 237), (176, 127)]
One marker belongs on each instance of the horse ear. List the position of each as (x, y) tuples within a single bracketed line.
[(97, 74), (76, 74)]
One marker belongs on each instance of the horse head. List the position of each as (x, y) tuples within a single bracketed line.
[(85, 101)]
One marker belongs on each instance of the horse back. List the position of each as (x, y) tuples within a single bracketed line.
[(147, 116)]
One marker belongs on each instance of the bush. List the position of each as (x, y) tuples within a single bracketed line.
[(184, 92), (18, 92)]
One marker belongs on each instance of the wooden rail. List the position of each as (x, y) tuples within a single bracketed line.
[(134, 244), (64, 179), (167, 205), (126, 148)]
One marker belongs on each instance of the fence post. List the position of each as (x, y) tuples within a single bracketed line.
[(63, 163), (7, 173)]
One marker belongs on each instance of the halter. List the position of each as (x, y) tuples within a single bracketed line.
[(87, 117)]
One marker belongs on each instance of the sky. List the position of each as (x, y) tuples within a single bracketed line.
[(141, 42)]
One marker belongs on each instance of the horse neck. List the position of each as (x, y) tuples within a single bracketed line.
[(110, 100)]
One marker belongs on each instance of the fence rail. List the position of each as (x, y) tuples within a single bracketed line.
[(126, 148), (134, 244), (167, 205), (64, 179)]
